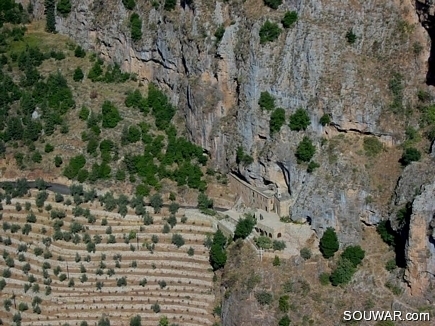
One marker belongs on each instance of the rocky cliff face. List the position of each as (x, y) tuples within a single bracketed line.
[(310, 65)]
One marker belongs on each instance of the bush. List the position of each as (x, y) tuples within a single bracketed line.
[(305, 253), (110, 115), (244, 227), (325, 120), (350, 36), (64, 7), (299, 120), (312, 166), (79, 52), (329, 243), (129, 4), (284, 321), (170, 4), (266, 101), (135, 321), (263, 298), (289, 19), (343, 272), (269, 32), (386, 232), (78, 74), (191, 251), (354, 254), (263, 242), (278, 245), (391, 265), (277, 120), (372, 146), (305, 150), (274, 4), (276, 261), (135, 27), (156, 202), (95, 74), (177, 240), (410, 155), (324, 278), (242, 157), (219, 33)]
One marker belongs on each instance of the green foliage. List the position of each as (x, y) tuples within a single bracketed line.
[(156, 202), (386, 232), (305, 253), (58, 161), (276, 261), (110, 115), (274, 4), (396, 87), (79, 52), (278, 245), (325, 119), (78, 74), (283, 303), (114, 74), (84, 113), (372, 146), (284, 321), (74, 166), (162, 109), (136, 100), (266, 101), (244, 227), (96, 72), (242, 157), (177, 240), (312, 166), (129, 4), (277, 120), (410, 155), (263, 242), (299, 120), (64, 7), (391, 265), (269, 32), (135, 321), (264, 297), (50, 16), (135, 27), (343, 272), (350, 36), (204, 203), (305, 150), (324, 278), (170, 5), (290, 17), (218, 256), (219, 34), (355, 254), (329, 243)]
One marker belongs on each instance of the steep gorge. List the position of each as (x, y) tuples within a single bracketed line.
[(311, 65)]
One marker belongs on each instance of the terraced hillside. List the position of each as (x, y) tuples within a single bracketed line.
[(65, 264)]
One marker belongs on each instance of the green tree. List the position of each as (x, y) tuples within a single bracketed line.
[(284, 321), (269, 32), (299, 120), (204, 202), (325, 119), (305, 253), (329, 243), (277, 120), (50, 16), (290, 17), (343, 272), (78, 74), (264, 297), (244, 227), (156, 202), (274, 4), (410, 155), (355, 254), (219, 34), (350, 36), (266, 101), (58, 161), (218, 257), (170, 4), (135, 27), (110, 115), (79, 52), (177, 240), (305, 150), (136, 321), (129, 4), (64, 7)]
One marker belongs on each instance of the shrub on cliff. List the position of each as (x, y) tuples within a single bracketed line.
[(299, 120), (355, 254), (78, 74), (305, 150), (129, 4), (110, 115), (135, 27), (274, 4), (269, 32), (343, 272), (266, 101), (170, 4), (219, 33), (64, 7), (372, 146), (410, 155), (329, 243), (244, 227), (289, 19), (277, 120)]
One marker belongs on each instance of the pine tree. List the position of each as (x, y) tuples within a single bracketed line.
[(50, 16), (329, 243)]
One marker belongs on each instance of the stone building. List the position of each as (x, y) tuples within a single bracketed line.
[(265, 199)]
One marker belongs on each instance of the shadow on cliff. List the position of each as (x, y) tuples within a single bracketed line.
[(428, 22)]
